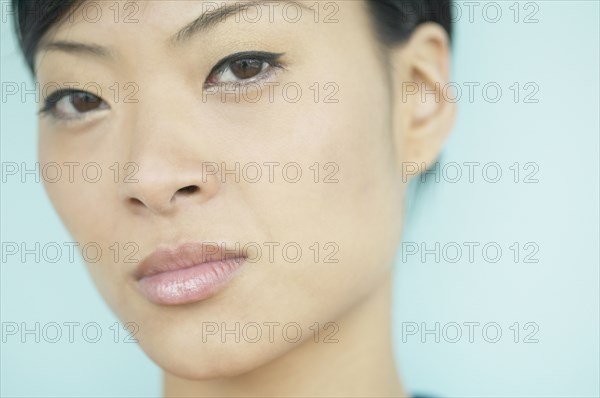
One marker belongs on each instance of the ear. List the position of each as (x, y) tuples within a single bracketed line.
[(423, 115)]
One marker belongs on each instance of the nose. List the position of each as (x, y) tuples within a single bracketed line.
[(165, 142), (164, 174), (163, 187)]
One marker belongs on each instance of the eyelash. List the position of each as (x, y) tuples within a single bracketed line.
[(271, 60)]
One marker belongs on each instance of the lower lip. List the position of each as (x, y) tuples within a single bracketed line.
[(188, 285)]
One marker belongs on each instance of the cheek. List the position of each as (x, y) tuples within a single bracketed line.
[(345, 212), (349, 190), (66, 192), (85, 199), (82, 192)]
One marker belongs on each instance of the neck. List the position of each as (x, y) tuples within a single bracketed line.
[(361, 363)]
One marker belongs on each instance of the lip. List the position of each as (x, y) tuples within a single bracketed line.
[(187, 273)]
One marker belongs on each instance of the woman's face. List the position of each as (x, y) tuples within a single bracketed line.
[(316, 244)]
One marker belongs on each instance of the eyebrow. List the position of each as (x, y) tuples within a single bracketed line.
[(211, 18), (75, 48), (206, 21)]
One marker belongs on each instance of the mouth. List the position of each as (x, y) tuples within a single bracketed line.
[(187, 273)]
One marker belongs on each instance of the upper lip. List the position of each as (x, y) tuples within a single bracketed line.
[(172, 258)]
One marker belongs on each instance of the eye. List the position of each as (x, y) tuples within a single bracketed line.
[(71, 104), (244, 68)]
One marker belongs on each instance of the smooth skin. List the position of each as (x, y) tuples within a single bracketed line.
[(370, 134)]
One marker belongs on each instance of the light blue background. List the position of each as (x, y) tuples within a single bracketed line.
[(560, 213)]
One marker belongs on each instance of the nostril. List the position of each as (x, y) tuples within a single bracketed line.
[(189, 189), (135, 201)]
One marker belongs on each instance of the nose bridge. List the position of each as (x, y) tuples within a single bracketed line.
[(166, 151)]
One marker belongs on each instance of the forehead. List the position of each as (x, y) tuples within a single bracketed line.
[(164, 17)]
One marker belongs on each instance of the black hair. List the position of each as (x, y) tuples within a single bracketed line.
[(394, 20)]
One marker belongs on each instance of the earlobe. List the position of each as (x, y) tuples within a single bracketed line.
[(424, 115)]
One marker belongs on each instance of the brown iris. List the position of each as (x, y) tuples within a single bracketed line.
[(246, 68), (84, 102)]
